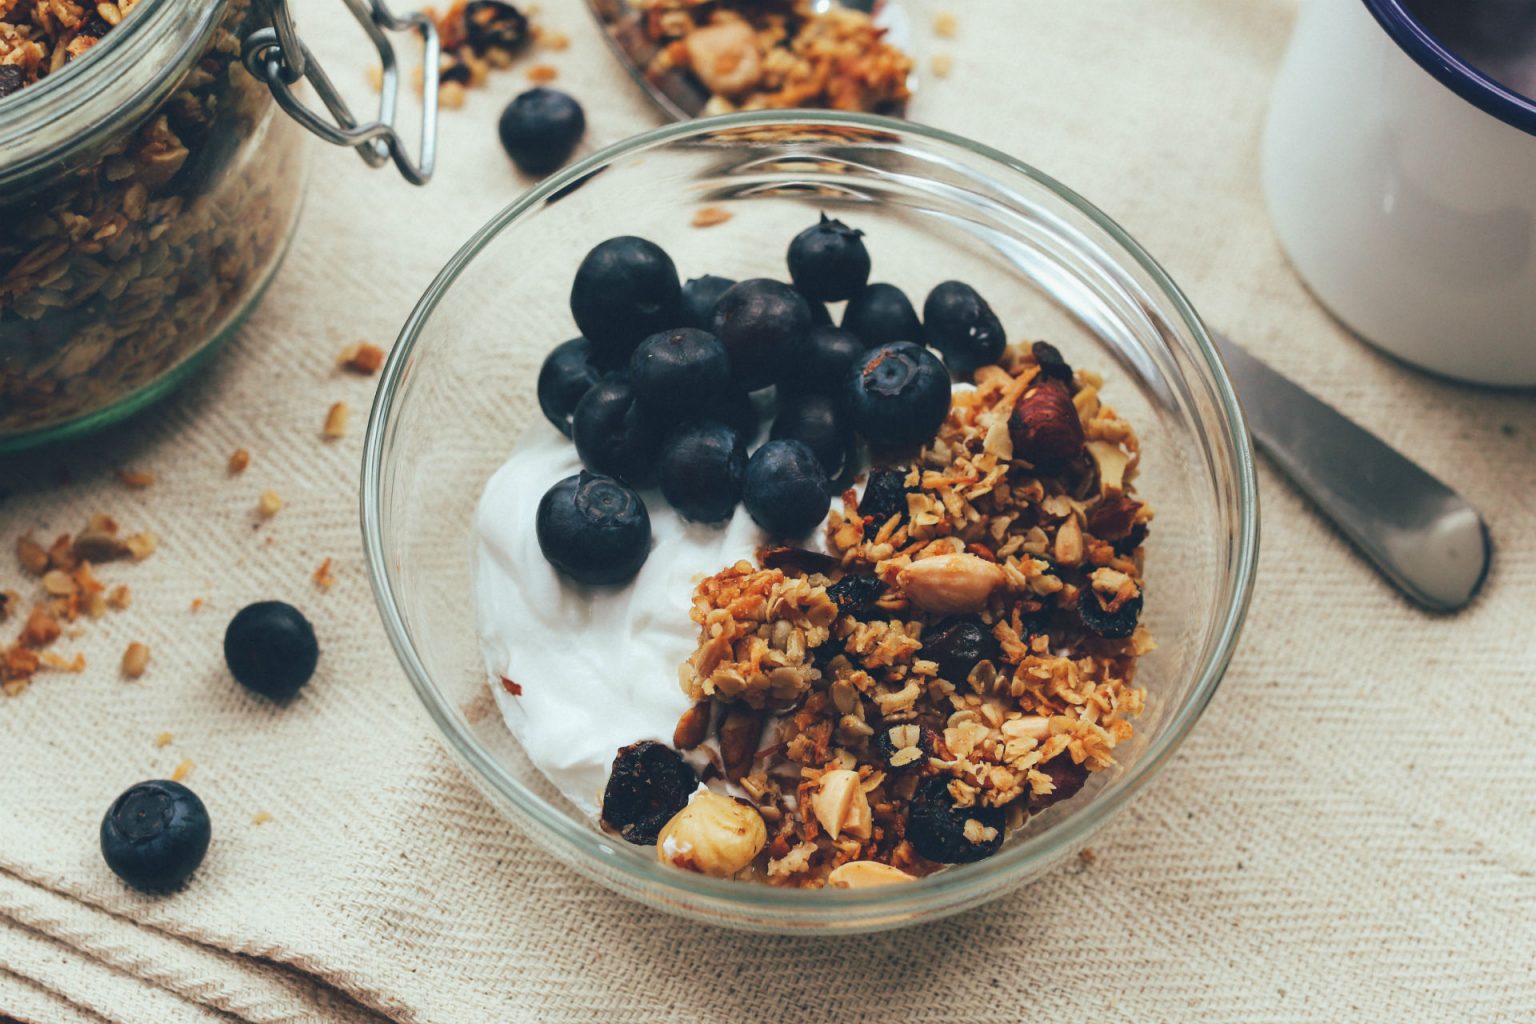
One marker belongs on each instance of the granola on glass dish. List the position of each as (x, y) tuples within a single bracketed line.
[(768, 54), (709, 648)]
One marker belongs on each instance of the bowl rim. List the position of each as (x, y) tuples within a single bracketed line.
[(768, 906)]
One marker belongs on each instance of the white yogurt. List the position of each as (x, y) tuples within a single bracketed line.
[(598, 666)]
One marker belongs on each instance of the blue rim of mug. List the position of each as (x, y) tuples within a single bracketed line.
[(1456, 74)]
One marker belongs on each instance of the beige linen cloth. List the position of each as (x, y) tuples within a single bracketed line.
[(1349, 834)]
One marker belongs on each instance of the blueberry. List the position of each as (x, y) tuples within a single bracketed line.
[(825, 358), (957, 646), (625, 290), (270, 648), (936, 827), (885, 495), (701, 469), (735, 408), (828, 261), (814, 420), (958, 322), (593, 529), (613, 434), (567, 374), (540, 129), (677, 372), (1111, 625), (819, 315), (155, 835), (1051, 362), (763, 325), (856, 595), (898, 395), (786, 489), (882, 313), (1066, 775), (648, 784), (699, 297)]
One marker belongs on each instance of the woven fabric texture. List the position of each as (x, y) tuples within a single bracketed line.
[(1347, 834)]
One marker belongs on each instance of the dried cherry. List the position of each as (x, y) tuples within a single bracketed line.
[(648, 784)]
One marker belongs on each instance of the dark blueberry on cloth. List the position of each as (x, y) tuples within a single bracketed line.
[(155, 835), (270, 648), (540, 129)]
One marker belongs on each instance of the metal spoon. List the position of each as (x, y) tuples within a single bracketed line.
[(678, 93), (1422, 535)]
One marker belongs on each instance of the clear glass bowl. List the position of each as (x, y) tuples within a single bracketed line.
[(459, 388)]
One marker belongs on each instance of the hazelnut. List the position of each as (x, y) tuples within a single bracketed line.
[(714, 835), (950, 584), (861, 874), (1045, 426), (725, 57)]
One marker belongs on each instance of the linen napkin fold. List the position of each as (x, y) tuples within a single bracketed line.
[(1344, 836)]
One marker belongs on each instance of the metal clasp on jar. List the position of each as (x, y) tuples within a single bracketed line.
[(279, 57)]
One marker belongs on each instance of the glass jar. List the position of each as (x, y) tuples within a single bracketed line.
[(147, 196)]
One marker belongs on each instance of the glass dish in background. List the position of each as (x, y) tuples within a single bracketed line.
[(459, 389)]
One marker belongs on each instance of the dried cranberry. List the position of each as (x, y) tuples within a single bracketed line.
[(491, 23), (936, 827), (957, 645), (855, 595), (885, 495), (1066, 775), (11, 77), (649, 783), (1051, 362), (1110, 625)]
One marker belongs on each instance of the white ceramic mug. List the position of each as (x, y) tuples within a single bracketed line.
[(1402, 182)]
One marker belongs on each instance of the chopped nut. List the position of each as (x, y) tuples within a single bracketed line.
[(42, 628), (269, 504), (238, 461), (323, 577), (197, 605), (33, 556), (1069, 542), (119, 597), (840, 804), (135, 660), (709, 216), (450, 95), (725, 56), (945, 24), (554, 40), (58, 583), (142, 545), (1112, 462), (714, 835), (182, 770), (862, 874), (362, 358), (336, 420), (138, 479), (740, 728), (951, 584), (260, 818), (942, 64), (163, 740), (541, 73)]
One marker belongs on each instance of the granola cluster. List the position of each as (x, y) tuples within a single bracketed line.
[(775, 54), (117, 269), (38, 37), (979, 663)]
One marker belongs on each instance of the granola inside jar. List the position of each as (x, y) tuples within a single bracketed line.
[(148, 186)]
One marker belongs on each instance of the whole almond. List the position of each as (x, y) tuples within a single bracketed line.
[(950, 584), (740, 729), (1044, 425)]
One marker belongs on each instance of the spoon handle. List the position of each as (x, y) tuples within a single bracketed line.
[(1422, 535)]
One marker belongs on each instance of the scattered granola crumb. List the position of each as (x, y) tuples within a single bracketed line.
[(709, 216), (943, 64), (59, 663), (515, 689), (1086, 855), (945, 24), (119, 597), (260, 818), (9, 599), (16, 687), (361, 358), (163, 740), (32, 555), (42, 628), (182, 770), (551, 40), (336, 421), (197, 605), (138, 479), (541, 73), (135, 660), (269, 504), (58, 583), (142, 545), (239, 461), (376, 78), (450, 95), (323, 577)]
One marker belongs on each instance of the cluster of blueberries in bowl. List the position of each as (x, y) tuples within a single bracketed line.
[(658, 390)]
